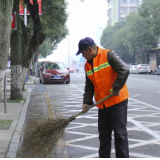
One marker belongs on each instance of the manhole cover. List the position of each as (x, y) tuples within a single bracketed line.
[(5, 124)]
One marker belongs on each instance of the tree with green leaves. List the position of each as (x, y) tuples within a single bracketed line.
[(30, 37), (24, 43), (139, 34), (150, 10), (127, 38), (121, 44), (53, 22), (115, 40), (107, 38)]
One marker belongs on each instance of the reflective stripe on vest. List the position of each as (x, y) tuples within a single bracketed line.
[(104, 65), (89, 72)]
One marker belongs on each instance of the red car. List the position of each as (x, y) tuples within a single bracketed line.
[(54, 72)]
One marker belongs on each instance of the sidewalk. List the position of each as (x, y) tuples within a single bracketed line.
[(37, 107), (11, 134)]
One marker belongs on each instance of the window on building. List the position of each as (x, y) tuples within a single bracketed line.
[(133, 9), (109, 3), (134, 1), (123, 1), (123, 10), (109, 13), (108, 22)]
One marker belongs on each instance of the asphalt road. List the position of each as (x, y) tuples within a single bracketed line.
[(145, 88), (81, 135)]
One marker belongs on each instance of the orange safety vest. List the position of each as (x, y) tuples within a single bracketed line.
[(103, 78)]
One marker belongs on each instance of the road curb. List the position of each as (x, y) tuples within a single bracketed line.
[(16, 138), (60, 150)]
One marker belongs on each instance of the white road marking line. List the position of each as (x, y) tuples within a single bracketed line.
[(142, 144), (86, 117), (141, 155), (91, 156), (140, 124), (77, 88), (81, 139), (152, 125), (83, 147), (136, 140), (136, 95), (149, 131), (147, 115), (149, 105), (80, 133), (84, 125), (133, 129)]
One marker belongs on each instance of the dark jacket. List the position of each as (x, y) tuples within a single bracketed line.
[(122, 73)]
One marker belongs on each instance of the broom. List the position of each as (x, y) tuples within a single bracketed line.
[(42, 138)]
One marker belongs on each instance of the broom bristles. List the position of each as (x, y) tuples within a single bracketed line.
[(42, 137)]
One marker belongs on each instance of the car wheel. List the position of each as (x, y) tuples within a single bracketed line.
[(68, 82), (156, 73)]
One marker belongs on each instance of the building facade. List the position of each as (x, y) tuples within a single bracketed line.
[(119, 9)]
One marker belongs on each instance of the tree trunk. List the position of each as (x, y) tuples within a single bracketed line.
[(134, 54), (25, 62), (25, 72), (34, 41), (5, 32), (16, 59)]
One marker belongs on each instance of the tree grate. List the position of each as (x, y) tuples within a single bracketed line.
[(5, 124)]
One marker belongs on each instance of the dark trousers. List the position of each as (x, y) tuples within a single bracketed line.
[(113, 118)]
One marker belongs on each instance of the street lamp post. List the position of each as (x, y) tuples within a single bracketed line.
[(25, 15)]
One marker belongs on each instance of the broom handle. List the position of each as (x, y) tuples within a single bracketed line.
[(93, 105)]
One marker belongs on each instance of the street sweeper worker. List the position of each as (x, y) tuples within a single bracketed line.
[(106, 73)]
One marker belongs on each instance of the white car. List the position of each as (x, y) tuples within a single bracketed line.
[(133, 69), (143, 68)]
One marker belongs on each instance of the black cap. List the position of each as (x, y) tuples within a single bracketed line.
[(85, 43)]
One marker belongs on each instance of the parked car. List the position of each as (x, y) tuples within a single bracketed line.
[(157, 70), (54, 72), (71, 70), (143, 68), (133, 69), (40, 66)]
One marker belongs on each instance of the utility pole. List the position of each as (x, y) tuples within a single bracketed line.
[(25, 23), (25, 15), (68, 53)]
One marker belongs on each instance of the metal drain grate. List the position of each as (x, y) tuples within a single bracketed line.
[(5, 124)]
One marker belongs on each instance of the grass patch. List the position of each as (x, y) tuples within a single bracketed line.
[(5, 124), (16, 100), (24, 90)]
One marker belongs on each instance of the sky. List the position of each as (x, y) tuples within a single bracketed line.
[(86, 19)]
